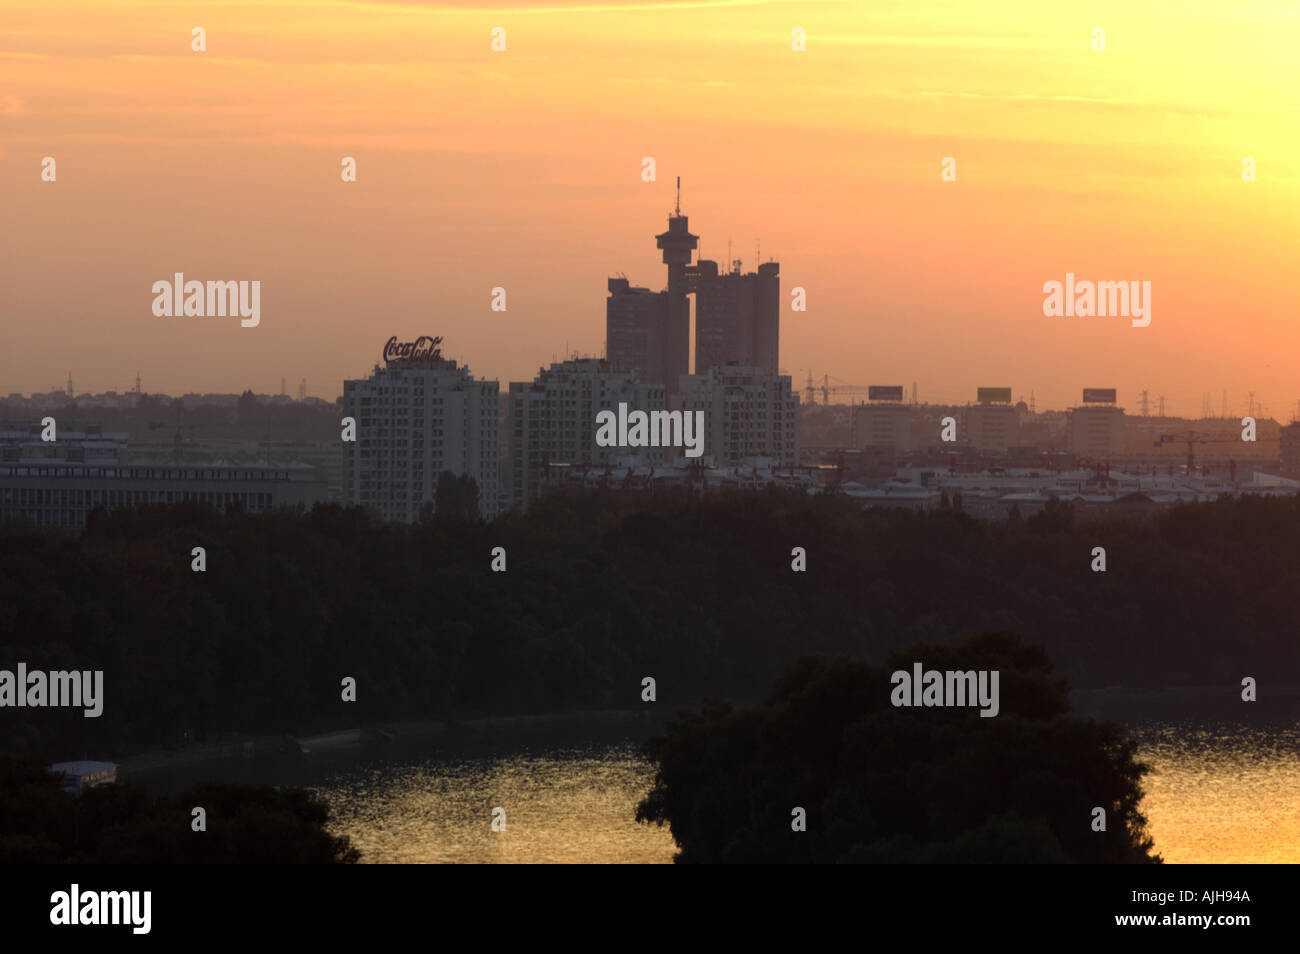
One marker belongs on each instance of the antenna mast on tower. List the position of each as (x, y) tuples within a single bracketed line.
[(677, 210)]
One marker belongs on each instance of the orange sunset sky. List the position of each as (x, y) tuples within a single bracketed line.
[(522, 169)]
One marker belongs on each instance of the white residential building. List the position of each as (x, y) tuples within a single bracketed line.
[(416, 418), (748, 413), (552, 420)]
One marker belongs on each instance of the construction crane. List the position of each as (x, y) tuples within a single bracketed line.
[(1192, 440), (826, 388)]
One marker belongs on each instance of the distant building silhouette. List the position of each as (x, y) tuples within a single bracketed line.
[(883, 425), (993, 426), (678, 244), (647, 333), (636, 322), (1097, 431), (1290, 450), (737, 317)]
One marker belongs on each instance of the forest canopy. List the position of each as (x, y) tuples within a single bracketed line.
[(600, 591), (828, 770)]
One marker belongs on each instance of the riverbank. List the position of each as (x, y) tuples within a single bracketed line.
[(1274, 702), (1121, 703), (467, 735)]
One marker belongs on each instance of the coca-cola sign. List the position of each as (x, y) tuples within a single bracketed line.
[(422, 348)]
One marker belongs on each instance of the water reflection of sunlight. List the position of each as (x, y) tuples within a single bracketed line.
[(1220, 793), (574, 805), (1224, 793)]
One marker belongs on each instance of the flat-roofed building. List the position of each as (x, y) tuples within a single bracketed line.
[(417, 417), (62, 493), (552, 421), (748, 413), (883, 425), (993, 428), (1097, 432)]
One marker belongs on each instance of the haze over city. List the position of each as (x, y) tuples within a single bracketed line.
[(522, 169), (649, 432)]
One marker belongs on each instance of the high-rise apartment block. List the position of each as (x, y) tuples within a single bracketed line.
[(748, 412), (636, 320), (417, 417), (552, 420), (737, 317)]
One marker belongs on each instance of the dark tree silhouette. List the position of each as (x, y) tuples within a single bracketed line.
[(41, 823), (886, 784), (602, 589), (456, 498)]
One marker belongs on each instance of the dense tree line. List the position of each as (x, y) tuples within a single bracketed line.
[(601, 590), (42, 823), (879, 783)]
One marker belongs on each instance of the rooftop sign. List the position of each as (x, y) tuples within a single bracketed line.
[(422, 348)]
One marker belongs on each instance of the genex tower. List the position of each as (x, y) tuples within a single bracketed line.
[(677, 244)]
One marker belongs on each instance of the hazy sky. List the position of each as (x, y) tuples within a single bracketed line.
[(522, 169)]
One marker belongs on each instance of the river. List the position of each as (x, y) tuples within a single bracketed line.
[(1220, 792)]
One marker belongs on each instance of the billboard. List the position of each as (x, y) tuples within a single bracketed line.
[(1098, 395), (884, 392), (422, 348), (993, 395)]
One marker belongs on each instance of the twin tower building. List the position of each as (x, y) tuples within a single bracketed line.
[(748, 410), (737, 317)]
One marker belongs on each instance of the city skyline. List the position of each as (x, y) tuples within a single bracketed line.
[(522, 169), (650, 431)]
